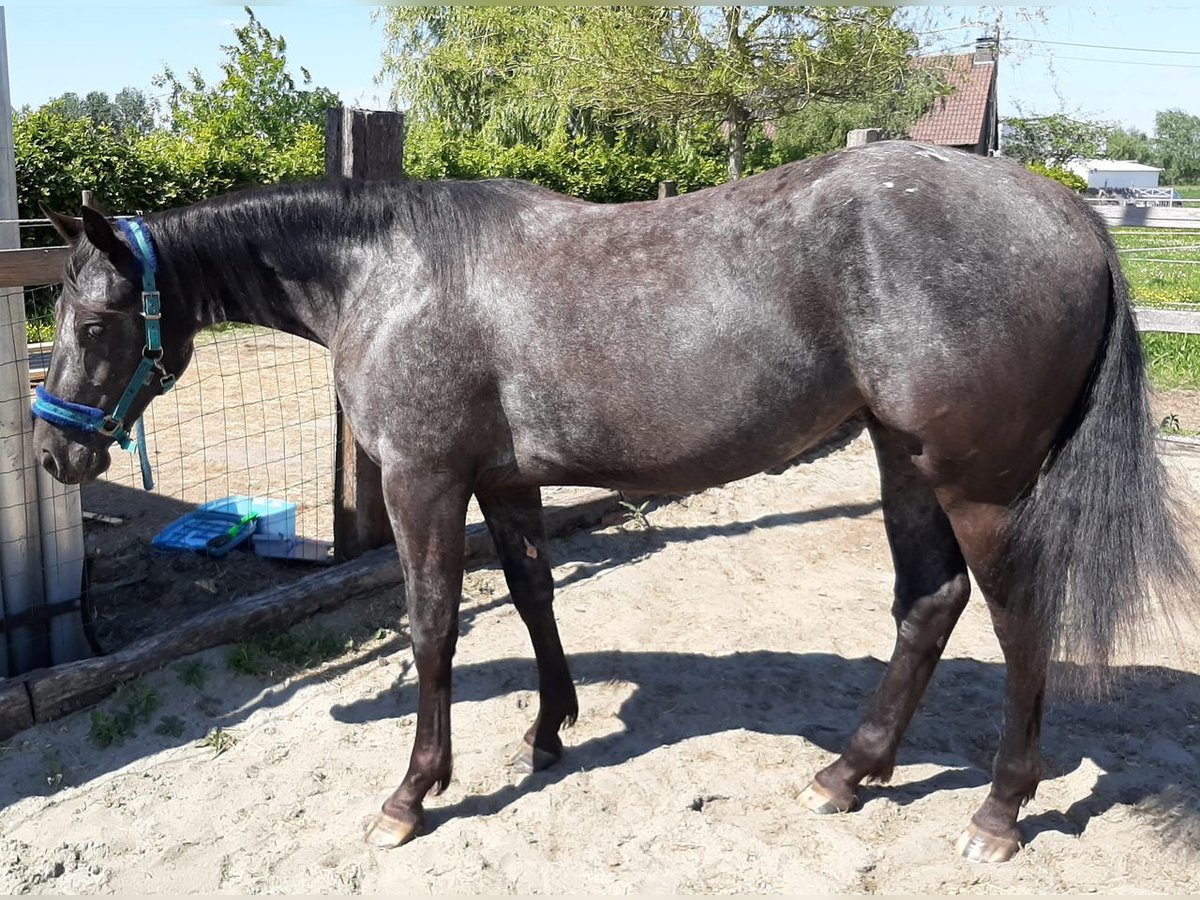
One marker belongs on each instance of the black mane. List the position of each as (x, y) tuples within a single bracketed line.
[(236, 252)]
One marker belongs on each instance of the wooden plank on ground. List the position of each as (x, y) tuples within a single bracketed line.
[(16, 712), (74, 686), (32, 266), (1149, 216), (1176, 321)]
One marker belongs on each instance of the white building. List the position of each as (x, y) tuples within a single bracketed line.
[(1114, 174)]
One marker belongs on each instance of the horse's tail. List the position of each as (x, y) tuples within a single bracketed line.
[(1095, 545)]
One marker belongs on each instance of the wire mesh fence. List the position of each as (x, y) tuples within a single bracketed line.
[(251, 417)]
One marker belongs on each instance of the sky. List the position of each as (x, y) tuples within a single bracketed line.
[(59, 47)]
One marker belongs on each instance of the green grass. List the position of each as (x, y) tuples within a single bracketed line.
[(1188, 191), (1172, 359), (286, 653)]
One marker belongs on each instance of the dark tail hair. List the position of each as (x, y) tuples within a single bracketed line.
[(1096, 542)]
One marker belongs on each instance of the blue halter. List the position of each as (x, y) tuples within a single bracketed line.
[(65, 414)]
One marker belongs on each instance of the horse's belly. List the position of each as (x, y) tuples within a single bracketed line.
[(681, 449)]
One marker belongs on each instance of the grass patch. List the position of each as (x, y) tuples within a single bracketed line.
[(1173, 360), (286, 653)]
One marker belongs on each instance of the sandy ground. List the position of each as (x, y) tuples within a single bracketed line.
[(722, 656)]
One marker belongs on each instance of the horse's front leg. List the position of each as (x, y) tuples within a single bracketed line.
[(428, 514)]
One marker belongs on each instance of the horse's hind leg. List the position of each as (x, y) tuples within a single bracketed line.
[(992, 835), (515, 521), (931, 591)]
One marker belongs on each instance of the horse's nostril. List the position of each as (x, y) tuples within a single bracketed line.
[(49, 463)]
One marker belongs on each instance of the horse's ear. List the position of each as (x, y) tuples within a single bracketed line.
[(100, 232), (68, 227)]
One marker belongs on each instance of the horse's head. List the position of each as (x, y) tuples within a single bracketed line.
[(100, 341)]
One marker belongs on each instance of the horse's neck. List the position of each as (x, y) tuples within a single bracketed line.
[(249, 290)]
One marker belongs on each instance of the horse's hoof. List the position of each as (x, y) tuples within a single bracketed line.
[(387, 833), (823, 803), (529, 759), (981, 846)]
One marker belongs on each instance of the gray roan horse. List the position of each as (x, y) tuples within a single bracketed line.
[(973, 315)]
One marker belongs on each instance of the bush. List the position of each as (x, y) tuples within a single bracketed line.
[(602, 169), (1062, 176)]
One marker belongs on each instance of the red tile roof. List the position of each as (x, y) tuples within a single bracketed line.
[(959, 118)]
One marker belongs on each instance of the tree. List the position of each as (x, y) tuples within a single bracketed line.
[(1052, 140), (256, 98), (1129, 143), (129, 112), (1177, 142), (517, 72)]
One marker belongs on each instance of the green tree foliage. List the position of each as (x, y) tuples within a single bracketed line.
[(1053, 140), (1131, 144), (522, 75), (1177, 146), (129, 112), (605, 171), (254, 126), (1062, 176)]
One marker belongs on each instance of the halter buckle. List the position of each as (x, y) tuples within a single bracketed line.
[(151, 300), (109, 427)]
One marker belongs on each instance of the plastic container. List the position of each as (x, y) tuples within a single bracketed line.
[(211, 532), (276, 518)]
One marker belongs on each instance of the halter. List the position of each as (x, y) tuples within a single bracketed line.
[(65, 414)]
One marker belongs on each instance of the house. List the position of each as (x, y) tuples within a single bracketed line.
[(968, 118), (1114, 174)]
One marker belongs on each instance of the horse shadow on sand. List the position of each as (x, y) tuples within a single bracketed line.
[(1144, 737)]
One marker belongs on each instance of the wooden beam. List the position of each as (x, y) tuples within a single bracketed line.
[(73, 686), (1175, 321), (32, 266), (360, 144), (1149, 216), (16, 711)]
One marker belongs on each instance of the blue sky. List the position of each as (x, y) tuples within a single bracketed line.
[(57, 47)]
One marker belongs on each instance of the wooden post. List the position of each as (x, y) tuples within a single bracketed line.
[(21, 588), (861, 136), (360, 143), (667, 189)]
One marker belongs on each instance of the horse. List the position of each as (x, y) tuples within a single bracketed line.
[(972, 314)]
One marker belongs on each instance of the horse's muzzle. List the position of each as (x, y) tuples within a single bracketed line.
[(67, 460)]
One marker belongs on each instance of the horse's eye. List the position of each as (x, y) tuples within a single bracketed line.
[(94, 330)]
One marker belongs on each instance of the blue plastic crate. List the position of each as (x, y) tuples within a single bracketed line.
[(210, 532)]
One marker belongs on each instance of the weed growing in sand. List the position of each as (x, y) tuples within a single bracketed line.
[(132, 706), (219, 740), (193, 672), (169, 726), (52, 770), (635, 516)]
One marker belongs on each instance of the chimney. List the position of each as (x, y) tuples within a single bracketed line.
[(985, 51)]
